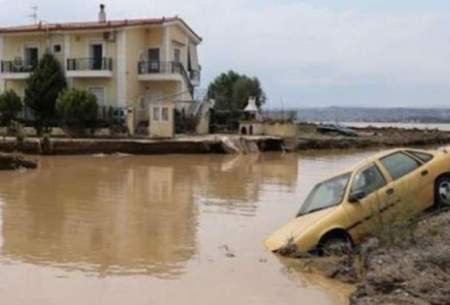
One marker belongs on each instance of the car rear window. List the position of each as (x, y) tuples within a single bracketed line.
[(424, 157), (399, 164)]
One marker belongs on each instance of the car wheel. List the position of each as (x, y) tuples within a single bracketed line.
[(442, 191), (335, 246)]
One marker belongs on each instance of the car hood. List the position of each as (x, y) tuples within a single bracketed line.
[(294, 229)]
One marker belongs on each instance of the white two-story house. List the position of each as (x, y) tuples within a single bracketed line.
[(124, 63)]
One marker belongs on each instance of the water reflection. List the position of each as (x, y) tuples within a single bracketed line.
[(235, 184), (102, 215), (128, 215)]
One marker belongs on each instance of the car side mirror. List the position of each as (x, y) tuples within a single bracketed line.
[(355, 197)]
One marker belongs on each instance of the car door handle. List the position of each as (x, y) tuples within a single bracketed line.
[(390, 192), (424, 173)]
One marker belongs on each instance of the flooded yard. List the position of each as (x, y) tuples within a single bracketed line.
[(158, 230)]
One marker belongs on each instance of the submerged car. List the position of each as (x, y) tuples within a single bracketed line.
[(387, 188)]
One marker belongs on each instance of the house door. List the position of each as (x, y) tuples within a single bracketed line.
[(99, 93), (154, 60), (96, 56), (31, 56), (365, 216)]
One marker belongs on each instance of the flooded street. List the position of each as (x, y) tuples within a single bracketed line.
[(158, 230)]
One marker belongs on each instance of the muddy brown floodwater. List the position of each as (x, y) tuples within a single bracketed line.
[(158, 230)]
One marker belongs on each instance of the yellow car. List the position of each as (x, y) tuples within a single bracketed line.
[(386, 188)]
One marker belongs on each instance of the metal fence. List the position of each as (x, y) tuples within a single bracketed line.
[(154, 67), (17, 66), (90, 64), (105, 115)]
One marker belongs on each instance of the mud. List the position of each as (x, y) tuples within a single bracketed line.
[(368, 137), (412, 270)]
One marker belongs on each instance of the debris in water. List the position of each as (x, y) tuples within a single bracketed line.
[(228, 252), (16, 161)]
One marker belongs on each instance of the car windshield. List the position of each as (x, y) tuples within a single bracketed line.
[(326, 195)]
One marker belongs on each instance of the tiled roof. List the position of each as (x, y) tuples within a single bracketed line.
[(73, 26)]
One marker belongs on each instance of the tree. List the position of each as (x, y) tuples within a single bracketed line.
[(43, 88), (77, 110), (10, 106), (231, 91)]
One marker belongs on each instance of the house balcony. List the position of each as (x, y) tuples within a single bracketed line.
[(17, 69), (160, 71), (90, 68)]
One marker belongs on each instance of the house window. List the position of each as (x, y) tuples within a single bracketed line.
[(57, 48), (153, 54), (156, 114), (177, 55), (165, 114)]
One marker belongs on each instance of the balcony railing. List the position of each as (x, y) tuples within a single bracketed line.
[(90, 64), (155, 67), (195, 75), (17, 67)]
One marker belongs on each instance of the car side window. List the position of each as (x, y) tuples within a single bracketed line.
[(399, 165), (424, 157), (368, 180)]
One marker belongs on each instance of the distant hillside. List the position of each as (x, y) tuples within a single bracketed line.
[(355, 114)]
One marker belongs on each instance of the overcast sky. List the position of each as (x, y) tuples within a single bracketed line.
[(308, 53)]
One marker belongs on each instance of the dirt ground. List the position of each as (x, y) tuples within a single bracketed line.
[(413, 269), (310, 138)]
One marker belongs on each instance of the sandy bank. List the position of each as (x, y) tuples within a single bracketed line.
[(407, 268)]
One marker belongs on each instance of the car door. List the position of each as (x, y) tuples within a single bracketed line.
[(409, 181), (364, 214), (427, 178)]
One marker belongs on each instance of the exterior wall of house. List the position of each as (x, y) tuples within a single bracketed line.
[(110, 91), (180, 41), (17, 86), (14, 45), (141, 93), (135, 41), (160, 126), (121, 69), (79, 49), (80, 42)]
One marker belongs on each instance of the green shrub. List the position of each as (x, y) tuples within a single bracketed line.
[(42, 89), (77, 110), (10, 106)]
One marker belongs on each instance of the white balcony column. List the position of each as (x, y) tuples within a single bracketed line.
[(2, 81), (1, 47), (166, 43), (66, 57), (186, 58), (121, 69)]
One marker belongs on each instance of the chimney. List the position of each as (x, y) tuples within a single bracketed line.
[(102, 14)]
